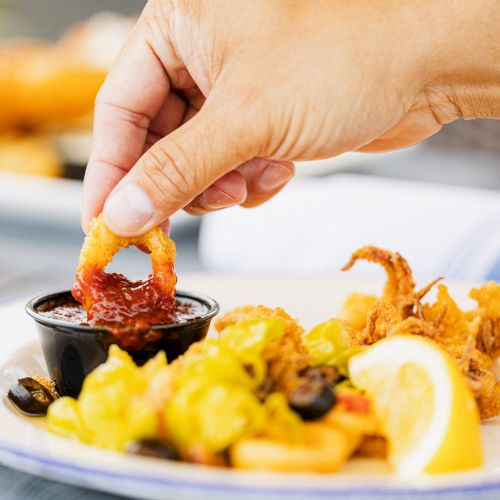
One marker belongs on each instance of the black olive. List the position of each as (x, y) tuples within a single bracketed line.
[(312, 397), (153, 448), (30, 397)]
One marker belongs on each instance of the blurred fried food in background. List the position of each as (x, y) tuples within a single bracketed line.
[(47, 94), (44, 84), (29, 154)]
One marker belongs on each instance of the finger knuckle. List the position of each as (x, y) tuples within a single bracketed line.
[(167, 169)]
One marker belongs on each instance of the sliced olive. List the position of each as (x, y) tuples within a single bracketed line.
[(153, 448), (30, 397), (312, 397)]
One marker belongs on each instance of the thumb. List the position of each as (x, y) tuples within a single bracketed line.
[(176, 169)]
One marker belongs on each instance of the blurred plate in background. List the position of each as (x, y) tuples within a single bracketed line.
[(55, 201), (347, 161)]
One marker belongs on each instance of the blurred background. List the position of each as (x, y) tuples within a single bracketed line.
[(437, 203)]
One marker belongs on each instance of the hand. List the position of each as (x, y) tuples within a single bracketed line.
[(210, 101)]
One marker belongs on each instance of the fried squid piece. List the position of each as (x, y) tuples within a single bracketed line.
[(488, 299), (456, 326), (399, 289), (381, 320), (384, 320), (325, 450), (490, 406), (355, 310), (285, 357), (455, 331), (324, 446)]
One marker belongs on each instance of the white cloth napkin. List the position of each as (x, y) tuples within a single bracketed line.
[(316, 223)]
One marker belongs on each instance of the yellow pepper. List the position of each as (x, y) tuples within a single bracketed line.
[(112, 408)]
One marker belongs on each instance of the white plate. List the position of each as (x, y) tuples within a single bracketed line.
[(26, 445)]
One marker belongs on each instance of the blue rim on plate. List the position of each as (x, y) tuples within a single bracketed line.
[(288, 491)]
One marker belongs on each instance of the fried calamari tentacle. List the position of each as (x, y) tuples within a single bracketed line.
[(381, 320), (488, 299), (399, 289), (399, 283)]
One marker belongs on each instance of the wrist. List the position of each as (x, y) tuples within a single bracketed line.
[(462, 61)]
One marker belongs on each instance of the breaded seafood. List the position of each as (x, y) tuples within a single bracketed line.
[(113, 300), (472, 338)]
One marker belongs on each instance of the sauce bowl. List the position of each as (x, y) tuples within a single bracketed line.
[(73, 350)]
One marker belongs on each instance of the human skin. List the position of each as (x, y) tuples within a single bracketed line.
[(211, 101)]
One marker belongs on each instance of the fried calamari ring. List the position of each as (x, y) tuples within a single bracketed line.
[(326, 450), (124, 299), (328, 444)]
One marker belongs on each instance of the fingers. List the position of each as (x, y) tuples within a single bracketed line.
[(265, 178), (418, 124), (168, 118), (228, 191), (126, 104), (251, 184), (179, 167)]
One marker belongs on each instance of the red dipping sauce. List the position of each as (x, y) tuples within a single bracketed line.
[(127, 308)]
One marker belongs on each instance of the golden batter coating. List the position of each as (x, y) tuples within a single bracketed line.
[(285, 357), (471, 338), (399, 289), (355, 310), (488, 299)]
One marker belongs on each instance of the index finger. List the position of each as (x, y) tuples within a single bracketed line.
[(131, 96)]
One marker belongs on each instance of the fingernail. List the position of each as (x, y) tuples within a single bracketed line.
[(214, 199), (274, 176), (128, 210)]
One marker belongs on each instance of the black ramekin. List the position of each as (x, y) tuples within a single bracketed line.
[(72, 351)]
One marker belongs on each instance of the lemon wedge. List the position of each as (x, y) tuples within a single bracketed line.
[(426, 410)]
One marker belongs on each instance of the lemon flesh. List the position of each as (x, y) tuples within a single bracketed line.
[(426, 410)]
